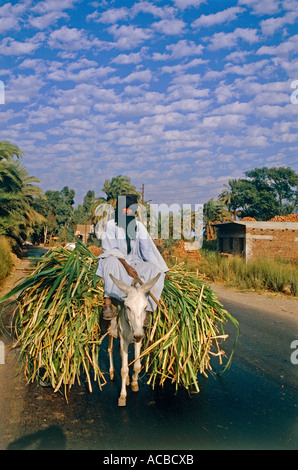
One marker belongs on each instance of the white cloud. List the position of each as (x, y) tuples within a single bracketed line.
[(179, 68), (138, 76), (85, 75), (11, 16), (285, 48), (129, 37), (227, 40), (238, 56), (38, 65), (150, 100), (224, 16), (22, 89), (132, 58), (47, 6), (267, 7), (271, 98), (224, 122), (111, 16), (169, 27), (246, 69), (42, 22), (42, 115), (147, 7), (271, 25), (235, 107), (114, 15), (277, 112), (188, 3), (184, 48), (9, 46), (73, 39), (290, 66), (225, 92), (179, 92)]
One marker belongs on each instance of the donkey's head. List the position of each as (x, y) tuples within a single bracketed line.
[(136, 303)]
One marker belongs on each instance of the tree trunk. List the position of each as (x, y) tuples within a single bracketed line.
[(45, 231)]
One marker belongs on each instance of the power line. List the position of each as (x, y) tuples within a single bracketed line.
[(197, 185)]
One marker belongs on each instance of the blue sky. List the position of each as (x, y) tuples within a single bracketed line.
[(179, 95)]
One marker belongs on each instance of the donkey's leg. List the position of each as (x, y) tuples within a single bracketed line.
[(137, 367), (124, 371), (110, 351)]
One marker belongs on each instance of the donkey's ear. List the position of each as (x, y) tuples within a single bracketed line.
[(149, 284), (122, 286)]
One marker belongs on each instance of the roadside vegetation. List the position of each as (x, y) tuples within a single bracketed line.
[(5, 258), (264, 274), (276, 275)]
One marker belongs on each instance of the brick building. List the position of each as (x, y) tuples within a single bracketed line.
[(83, 232), (258, 239)]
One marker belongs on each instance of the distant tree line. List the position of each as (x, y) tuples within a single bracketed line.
[(26, 213), (263, 194)]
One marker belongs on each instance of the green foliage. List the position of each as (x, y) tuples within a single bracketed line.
[(265, 193), (17, 193), (214, 211), (5, 258), (9, 150), (57, 208), (118, 186)]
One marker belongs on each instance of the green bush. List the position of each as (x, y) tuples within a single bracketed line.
[(5, 258)]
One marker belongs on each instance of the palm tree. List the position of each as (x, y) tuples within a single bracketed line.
[(214, 211), (231, 196), (117, 186), (9, 150), (17, 192)]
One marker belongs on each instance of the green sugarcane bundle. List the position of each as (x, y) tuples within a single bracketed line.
[(58, 318), (186, 330)]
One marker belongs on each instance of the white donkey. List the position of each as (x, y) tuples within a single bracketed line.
[(129, 328)]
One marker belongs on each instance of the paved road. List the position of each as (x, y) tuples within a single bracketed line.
[(251, 406)]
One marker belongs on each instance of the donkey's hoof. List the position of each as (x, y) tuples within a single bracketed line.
[(135, 386), (122, 401)]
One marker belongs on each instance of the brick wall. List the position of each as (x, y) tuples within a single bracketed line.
[(271, 242)]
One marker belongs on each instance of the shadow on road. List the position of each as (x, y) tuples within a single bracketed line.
[(51, 438)]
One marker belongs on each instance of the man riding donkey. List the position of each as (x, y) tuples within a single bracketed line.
[(128, 252)]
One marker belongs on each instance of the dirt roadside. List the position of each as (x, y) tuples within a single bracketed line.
[(11, 384), (274, 303)]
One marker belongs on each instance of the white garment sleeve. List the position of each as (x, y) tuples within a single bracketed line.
[(109, 242), (149, 250)]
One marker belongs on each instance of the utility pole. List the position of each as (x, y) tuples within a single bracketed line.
[(142, 210)]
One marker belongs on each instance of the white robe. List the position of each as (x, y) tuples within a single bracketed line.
[(144, 258)]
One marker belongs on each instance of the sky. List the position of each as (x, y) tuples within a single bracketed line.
[(179, 95)]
